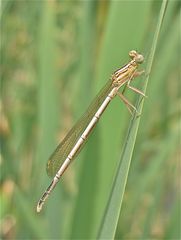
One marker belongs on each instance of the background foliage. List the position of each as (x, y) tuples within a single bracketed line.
[(55, 56)]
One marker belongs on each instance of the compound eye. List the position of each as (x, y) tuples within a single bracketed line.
[(136, 56), (133, 54), (139, 58)]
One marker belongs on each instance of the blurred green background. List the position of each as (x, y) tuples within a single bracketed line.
[(55, 56)]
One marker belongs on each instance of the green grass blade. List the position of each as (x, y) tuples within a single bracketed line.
[(115, 120), (81, 229), (111, 216), (173, 228), (48, 109)]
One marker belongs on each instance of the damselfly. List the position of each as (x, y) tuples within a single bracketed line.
[(71, 145)]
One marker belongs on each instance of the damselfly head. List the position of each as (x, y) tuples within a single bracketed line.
[(136, 56)]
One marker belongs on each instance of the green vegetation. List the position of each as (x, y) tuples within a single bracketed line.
[(55, 56)]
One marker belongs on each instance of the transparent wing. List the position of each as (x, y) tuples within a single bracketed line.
[(64, 148)]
